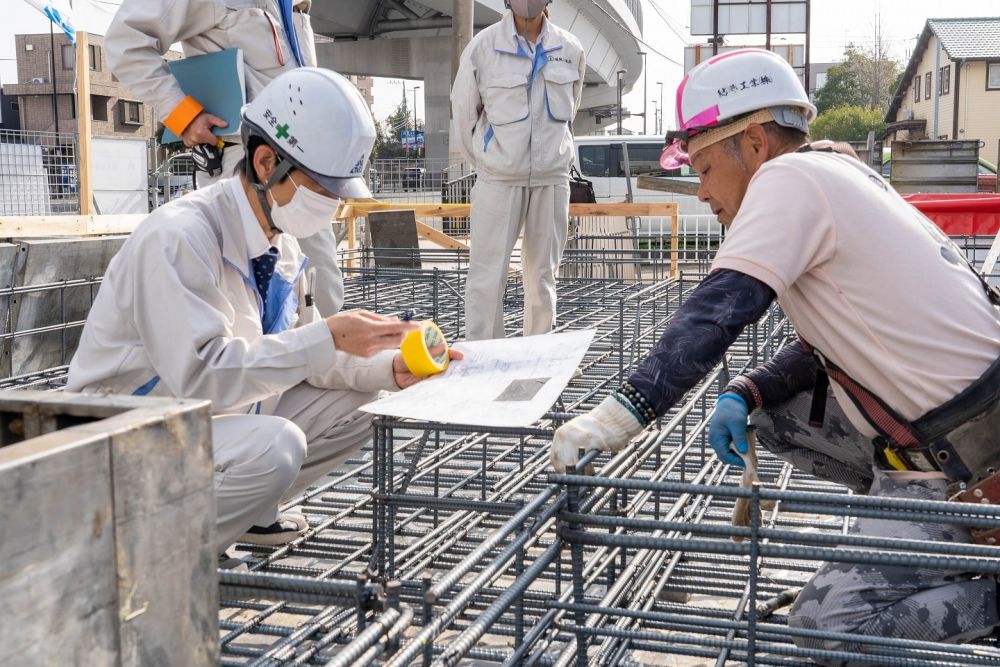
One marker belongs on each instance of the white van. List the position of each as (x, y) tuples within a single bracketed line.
[(601, 160)]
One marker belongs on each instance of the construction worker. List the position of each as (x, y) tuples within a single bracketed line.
[(274, 35), (208, 299), (906, 331), (515, 96)]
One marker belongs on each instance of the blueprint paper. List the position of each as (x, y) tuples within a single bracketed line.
[(504, 382)]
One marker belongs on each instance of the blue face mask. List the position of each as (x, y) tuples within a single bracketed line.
[(305, 214)]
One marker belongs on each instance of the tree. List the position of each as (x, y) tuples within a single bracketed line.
[(867, 77), (851, 123), (841, 89)]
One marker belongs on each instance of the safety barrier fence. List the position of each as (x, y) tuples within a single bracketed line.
[(38, 173)]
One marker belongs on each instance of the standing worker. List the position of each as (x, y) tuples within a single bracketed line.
[(906, 332), (208, 299), (515, 96), (274, 35)]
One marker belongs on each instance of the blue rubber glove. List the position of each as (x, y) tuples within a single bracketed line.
[(729, 424)]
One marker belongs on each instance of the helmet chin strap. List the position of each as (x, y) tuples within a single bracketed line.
[(280, 171)]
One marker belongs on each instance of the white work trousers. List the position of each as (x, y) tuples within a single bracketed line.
[(321, 248), (260, 459), (499, 212)]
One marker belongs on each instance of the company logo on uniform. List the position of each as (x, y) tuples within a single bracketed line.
[(755, 82), (557, 59), (358, 166)]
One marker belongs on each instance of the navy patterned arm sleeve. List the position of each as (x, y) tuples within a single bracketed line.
[(790, 371), (696, 338)]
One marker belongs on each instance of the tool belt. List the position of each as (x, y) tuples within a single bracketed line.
[(961, 438)]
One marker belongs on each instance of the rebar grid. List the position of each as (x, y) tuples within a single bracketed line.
[(463, 548), (504, 563)]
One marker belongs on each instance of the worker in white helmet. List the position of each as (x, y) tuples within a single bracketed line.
[(275, 36), (907, 333), (516, 93), (208, 299)]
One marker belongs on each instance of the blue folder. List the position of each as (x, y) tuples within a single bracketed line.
[(216, 81)]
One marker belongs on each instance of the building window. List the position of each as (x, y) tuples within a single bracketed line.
[(944, 80), (99, 107), (916, 88), (15, 107), (927, 86), (992, 76), (95, 57), (68, 56), (131, 112)]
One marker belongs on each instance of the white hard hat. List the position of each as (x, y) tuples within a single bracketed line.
[(317, 122), (729, 88)]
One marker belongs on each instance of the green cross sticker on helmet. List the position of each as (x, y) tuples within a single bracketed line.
[(316, 120)]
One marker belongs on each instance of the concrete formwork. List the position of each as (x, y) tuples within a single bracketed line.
[(107, 545)]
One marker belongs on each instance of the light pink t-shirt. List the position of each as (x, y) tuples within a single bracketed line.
[(865, 279)]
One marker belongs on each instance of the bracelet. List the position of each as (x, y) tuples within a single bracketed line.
[(640, 405)]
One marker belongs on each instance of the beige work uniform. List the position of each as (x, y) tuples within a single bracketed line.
[(178, 314), (143, 30), (513, 105)]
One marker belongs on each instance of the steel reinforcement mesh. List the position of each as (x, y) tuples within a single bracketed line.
[(453, 545)]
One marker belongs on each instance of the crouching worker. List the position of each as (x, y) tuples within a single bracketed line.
[(906, 332), (209, 299)]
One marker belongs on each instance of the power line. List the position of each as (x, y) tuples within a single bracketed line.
[(667, 19), (634, 36)]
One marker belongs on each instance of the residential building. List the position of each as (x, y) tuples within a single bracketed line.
[(114, 111), (10, 111), (817, 77), (364, 84), (951, 86)]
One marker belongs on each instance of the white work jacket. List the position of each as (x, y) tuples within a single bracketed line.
[(143, 30), (513, 110), (178, 314)]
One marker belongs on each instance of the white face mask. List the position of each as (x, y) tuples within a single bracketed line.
[(305, 214)]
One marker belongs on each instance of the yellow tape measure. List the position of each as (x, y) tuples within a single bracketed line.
[(417, 346)]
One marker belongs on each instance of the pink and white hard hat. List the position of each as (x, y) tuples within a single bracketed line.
[(719, 98)]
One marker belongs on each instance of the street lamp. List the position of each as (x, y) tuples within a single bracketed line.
[(659, 129), (645, 76), (620, 72), (416, 146)]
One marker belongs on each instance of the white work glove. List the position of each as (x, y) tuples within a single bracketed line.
[(608, 427)]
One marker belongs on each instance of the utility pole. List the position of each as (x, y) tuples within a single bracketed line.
[(620, 72), (55, 92), (656, 116), (461, 35), (645, 76), (416, 145), (461, 31), (659, 129)]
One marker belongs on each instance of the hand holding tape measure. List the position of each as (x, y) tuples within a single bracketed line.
[(424, 350)]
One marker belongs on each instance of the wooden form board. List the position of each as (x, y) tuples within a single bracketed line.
[(107, 540), (350, 212), (39, 226)]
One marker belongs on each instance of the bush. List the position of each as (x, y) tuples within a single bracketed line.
[(851, 123)]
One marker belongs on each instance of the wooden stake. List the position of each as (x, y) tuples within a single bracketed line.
[(83, 122)]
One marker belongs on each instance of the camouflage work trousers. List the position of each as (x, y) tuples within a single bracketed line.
[(875, 600)]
